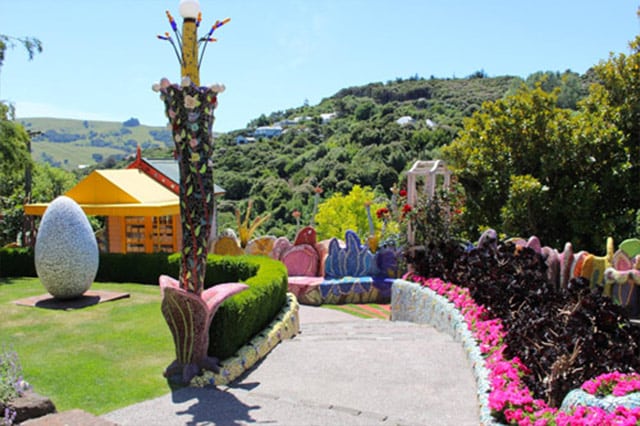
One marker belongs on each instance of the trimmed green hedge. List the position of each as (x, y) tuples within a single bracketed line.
[(141, 268), (17, 262), (248, 313), (221, 269)]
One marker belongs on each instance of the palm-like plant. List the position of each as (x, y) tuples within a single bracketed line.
[(246, 230)]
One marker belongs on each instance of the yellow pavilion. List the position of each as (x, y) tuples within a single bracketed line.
[(141, 214)]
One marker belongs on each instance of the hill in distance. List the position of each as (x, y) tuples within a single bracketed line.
[(364, 117), (369, 141), (71, 144)]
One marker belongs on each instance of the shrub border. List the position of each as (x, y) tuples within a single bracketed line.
[(510, 397), (17, 262), (285, 326), (246, 315)]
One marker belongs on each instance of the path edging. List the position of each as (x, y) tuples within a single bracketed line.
[(413, 303), (285, 326)]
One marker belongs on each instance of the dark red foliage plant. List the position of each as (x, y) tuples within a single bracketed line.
[(564, 336)]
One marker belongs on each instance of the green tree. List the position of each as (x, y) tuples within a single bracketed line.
[(14, 158), (31, 44), (618, 94), (365, 110), (50, 182), (341, 213), (260, 121), (529, 167), (14, 155), (571, 86)]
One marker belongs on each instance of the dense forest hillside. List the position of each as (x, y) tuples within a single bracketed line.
[(367, 135)]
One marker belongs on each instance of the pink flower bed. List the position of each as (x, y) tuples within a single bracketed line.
[(615, 383), (510, 400)]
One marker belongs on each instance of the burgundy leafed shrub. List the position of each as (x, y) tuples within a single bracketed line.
[(564, 336)]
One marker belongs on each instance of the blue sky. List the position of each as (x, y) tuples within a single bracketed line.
[(101, 58)]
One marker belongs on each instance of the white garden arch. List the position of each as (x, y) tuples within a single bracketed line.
[(423, 176)]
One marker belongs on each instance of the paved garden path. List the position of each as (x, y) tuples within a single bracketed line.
[(341, 370)]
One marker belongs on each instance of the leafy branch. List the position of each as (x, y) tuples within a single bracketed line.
[(31, 44)]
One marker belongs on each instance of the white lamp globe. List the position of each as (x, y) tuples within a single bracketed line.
[(189, 8)]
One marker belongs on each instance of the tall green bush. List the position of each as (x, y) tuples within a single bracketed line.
[(529, 167), (342, 213), (142, 268)]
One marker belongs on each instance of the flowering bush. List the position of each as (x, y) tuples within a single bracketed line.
[(12, 385), (510, 400), (432, 220)]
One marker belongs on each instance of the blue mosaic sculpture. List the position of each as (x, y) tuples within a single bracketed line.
[(352, 261)]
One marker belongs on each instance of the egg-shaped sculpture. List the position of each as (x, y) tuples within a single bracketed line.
[(66, 251)]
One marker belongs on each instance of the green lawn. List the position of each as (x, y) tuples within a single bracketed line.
[(368, 310), (98, 358)]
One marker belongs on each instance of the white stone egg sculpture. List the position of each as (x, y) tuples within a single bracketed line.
[(66, 251)]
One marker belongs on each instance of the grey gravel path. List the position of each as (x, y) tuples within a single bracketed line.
[(341, 370)]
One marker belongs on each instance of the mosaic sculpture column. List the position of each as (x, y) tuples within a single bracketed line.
[(186, 306)]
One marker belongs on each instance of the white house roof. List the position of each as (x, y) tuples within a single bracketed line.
[(405, 120)]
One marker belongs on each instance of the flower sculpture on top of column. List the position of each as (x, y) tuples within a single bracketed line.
[(186, 306)]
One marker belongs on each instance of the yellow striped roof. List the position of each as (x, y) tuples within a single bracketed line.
[(119, 187), (128, 192)]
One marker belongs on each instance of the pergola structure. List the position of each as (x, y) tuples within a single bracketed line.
[(429, 171), (425, 176)]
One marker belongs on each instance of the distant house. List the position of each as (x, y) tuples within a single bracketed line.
[(431, 124), (300, 119), (242, 139), (327, 117), (267, 132), (406, 120), (286, 122)]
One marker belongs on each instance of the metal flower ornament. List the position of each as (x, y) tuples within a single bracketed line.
[(186, 306)]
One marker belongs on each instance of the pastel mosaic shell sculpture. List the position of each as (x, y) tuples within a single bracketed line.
[(66, 251)]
